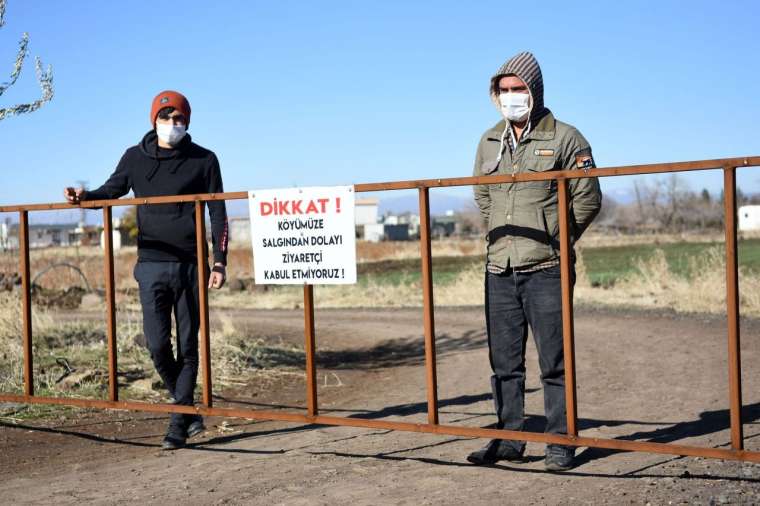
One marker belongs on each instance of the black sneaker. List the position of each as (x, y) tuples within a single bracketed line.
[(175, 438), (495, 451), (195, 426), (559, 458)]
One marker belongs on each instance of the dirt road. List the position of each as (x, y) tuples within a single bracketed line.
[(643, 376)]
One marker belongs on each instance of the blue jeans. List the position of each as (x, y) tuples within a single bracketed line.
[(167, 287), (514, 301)]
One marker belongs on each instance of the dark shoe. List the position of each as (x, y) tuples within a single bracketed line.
[(495, 451), (195, 426), (175, 438), (559, 458)]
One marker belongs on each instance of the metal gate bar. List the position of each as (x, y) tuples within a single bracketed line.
[(728, 165), (452, 430)]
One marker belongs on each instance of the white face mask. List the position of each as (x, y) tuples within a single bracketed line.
[(169, 133), (515, 106)]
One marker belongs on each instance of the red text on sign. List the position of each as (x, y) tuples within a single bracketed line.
[(295, 207)]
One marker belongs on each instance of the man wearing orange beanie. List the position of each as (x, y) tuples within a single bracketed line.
[(167, 162)]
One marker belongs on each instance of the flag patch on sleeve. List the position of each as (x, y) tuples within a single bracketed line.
[(584, 160)]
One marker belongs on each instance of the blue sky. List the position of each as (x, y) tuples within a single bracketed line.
[(321, 93)]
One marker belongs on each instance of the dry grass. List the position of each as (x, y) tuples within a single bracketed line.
[(238, 359), (89, 259), (592, 239), (11, 352), (240, 261), (81, 345), (465, 290), (398, 250), (654, 285), (240, 264), (11, 349)]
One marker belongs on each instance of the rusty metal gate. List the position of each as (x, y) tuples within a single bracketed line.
[(728, 165)]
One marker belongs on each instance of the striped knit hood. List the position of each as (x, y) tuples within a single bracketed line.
[(525, 66)]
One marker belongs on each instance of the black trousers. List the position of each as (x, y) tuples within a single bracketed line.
[(514, 301), (167, 287)]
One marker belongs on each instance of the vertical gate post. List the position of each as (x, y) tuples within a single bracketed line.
[(26, 301), (732, 310), (113, 385), (205, 343), (309, 344), (428, 307), (568, 331)]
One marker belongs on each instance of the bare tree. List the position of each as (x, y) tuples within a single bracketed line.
[(668, 205), (675, 193), (44, 77), (648, 203), (469, 221)]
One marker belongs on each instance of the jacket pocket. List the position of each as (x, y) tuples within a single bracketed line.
[(539, 164), (544, 224), (550, 223), (489, 167)]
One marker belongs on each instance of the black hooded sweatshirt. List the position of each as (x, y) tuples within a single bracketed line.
[(166, 232)]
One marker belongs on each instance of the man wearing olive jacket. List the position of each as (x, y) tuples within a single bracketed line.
[(167, 162), (522, 270)]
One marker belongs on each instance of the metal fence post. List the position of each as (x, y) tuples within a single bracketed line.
[(26, 301), (205, 342), (113, 384), (732, 310), (312, 406), (568, 331), (428, 307)]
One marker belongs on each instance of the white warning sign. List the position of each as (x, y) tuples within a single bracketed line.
[(303, 235)]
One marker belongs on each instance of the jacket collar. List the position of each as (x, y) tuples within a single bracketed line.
[(545, 129)]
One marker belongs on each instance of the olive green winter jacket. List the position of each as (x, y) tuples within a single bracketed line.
[(523, 227)]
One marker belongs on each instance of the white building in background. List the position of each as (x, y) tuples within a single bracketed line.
[(366, 218), (749, 218), (40, 235), (373, 232), (5, 236), (115, 236), (391, 219), (366, 211), (240, 230)]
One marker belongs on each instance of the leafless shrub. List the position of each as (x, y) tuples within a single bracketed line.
[(44, 76), (665, 205)]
